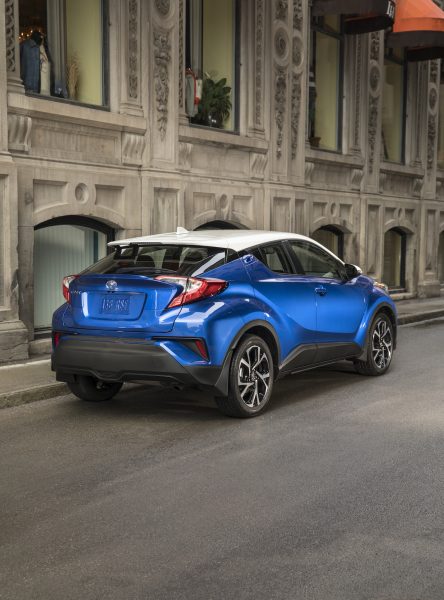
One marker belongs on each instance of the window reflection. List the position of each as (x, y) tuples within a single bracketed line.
[(325, 86), (393, 108)]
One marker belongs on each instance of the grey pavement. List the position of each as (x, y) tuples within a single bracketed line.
[(27, 382), (33, 380), (335, 493), (413, 311)]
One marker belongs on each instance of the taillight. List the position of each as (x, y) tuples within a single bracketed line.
[(65, 287), (193, 288)]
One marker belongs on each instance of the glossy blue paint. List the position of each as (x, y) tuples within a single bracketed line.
[(298, 309)]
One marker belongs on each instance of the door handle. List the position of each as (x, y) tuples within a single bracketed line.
[(321, 290)]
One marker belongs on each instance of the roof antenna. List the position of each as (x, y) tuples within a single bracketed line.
[(181, 230)]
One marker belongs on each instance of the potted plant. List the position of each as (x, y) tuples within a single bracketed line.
[(215, 105)]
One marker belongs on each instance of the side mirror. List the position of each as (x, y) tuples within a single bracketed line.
[(352, 271)]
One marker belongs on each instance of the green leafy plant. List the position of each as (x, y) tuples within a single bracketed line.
[(215, 105)]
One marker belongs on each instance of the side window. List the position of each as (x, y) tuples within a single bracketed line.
[(273, 256), (315, 262)]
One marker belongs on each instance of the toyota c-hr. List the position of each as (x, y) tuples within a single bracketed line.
[(228, 311)]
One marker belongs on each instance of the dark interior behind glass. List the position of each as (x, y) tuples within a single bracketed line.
[(155, 259)]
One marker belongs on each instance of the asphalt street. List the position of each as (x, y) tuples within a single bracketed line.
[(336, 493)]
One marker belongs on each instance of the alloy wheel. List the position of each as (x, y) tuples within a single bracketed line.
[(253, 376), (382, 344)]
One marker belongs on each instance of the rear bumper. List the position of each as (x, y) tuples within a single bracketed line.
[(111, 359)]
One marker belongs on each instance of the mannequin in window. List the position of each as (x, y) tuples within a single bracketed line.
[(35, 64), (45, 71)]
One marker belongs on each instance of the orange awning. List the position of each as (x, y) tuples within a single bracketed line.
[(362, 16), (419, 28)]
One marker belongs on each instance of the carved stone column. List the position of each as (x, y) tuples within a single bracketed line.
[(357, 46), (13, 334), (131, 96), (163, 79), (3, 88), (280, 85), (298, 89), (12, 46), (183, 118), (257, 38), (432, 128), (375, 83)]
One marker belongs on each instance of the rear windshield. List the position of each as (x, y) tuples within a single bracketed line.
[(154, 259)]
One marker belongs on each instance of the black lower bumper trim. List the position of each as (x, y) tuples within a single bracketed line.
[(111, 359)]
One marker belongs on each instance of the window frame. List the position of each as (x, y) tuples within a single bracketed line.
[(237, 64), (317, 25), (79, 221), (390, 56), (282, 244), (105, 105), (338, 233), (403, 261), (301, 271)]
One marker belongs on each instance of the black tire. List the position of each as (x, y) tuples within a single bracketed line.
[(92, 389), (380, 346), (251, 379)]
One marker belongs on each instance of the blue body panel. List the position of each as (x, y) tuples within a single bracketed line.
[(288, 305)]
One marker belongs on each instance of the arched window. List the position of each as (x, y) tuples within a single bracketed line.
[(395, 247), (221, 224), (441, 258), (332, 238), (63, 246)]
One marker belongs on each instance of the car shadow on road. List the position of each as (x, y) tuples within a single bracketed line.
[(168, 403), (314, 385)]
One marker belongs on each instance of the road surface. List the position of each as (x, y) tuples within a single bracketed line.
[(336, 493)]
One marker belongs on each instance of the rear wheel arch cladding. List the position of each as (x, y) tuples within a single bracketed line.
[(267, 333), (264, 331)]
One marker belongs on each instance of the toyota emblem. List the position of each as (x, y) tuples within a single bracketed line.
[(111, 285)]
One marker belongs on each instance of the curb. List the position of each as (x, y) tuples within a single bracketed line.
[(32, 394), (52, 390), (418, 317)]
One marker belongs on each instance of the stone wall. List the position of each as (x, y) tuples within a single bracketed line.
[(141, 168)]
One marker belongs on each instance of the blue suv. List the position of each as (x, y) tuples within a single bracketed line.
[(229, 311)]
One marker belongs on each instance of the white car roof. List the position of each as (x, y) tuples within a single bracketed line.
[(236, 239)]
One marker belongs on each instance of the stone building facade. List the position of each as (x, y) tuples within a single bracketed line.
[(137, 165)]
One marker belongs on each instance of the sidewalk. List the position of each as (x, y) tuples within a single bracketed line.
[(33, 380), (413, 311), (27, 382)]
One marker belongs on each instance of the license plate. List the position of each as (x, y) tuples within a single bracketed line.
[(115, 305)]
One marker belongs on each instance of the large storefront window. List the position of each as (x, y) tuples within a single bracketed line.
[(62, 49), (395, 247), (332, 238), (61, 250), (393, 107), (212, 63), (325, 83)]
